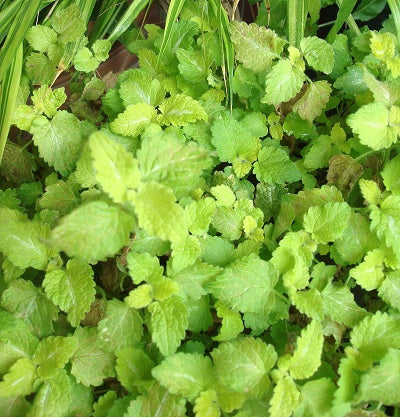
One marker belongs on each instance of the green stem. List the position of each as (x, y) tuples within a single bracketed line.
[(394, 6), (365, 154), (297, 14), (26, 145), (350, 21)]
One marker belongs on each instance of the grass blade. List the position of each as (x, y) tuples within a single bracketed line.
[(109, 12), (86, 7), (297, 14), (8, 96), (127, 18), (174, 9), (345, 9), (16, 34), (7, 17), (226, 46)]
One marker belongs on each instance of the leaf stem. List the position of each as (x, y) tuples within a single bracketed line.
[(297, 14), (394, 6), (26, 145), (365, 154)]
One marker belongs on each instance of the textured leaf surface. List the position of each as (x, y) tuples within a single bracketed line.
[(186, 374), (93, 231), (72, 289), (168, 322)]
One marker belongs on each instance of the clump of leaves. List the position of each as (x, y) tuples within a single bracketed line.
[(163, 255)]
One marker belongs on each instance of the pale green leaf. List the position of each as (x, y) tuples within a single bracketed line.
[(19, 379), (369, 273), (68, 23), (158, 213), (283, 82), (29, 303), (91, 364), (207, 405), (133, 120), (168, 322), (275, 167), (382, 382), (306, 358), (186, 374), (328, 222), (116, 169), (181, 109), (133, 368), (255, 46), (318, 53), (72, 289), (232, 324), (93, 231), (285, 398), (59, 140), (53, 353), (41, 38), (372, 123), (243, 364), (121, 326)]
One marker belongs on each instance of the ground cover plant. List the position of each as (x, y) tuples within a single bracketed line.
[(213, 233)]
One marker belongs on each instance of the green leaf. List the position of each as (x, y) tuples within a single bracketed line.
[(255, 46), (285, 398), (72, 289), (173, 163), (339, 304), (47, 101), (133, 120), (200, 214), (143, 267), (314, 100), (374, 125), (116, 169), (207, 405), (69, 24), (317, 397), (52, 397), (61, 196), (14, 407), (19, 379), (243, 364), (133, 368), (185, 252), (283, 82), (231, 326), (344, 171), (186, 374), (356, 240), (389, 291), (385, 222), (382, 382), (121, 326), (28, 302), (59, 140), (275, 167), (374, 336), (318, 53), (306, 358), (168, 322), (368, 9), (247, 285), (140, 87), (194, 65), (158, 213), (39, 68), (328, 222), (85, 61), (17, 164), (390, 175), (16, 342), (309, 302), (53, 353), (181, 109), (21, 241), (101, 48), (232, 140), (90, 364), (369, 273), (41, 38), (93, 231)]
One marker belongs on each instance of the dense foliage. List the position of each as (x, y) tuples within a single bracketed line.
[(171, 249)]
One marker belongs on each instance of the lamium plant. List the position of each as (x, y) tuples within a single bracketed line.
[(215, 232)]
